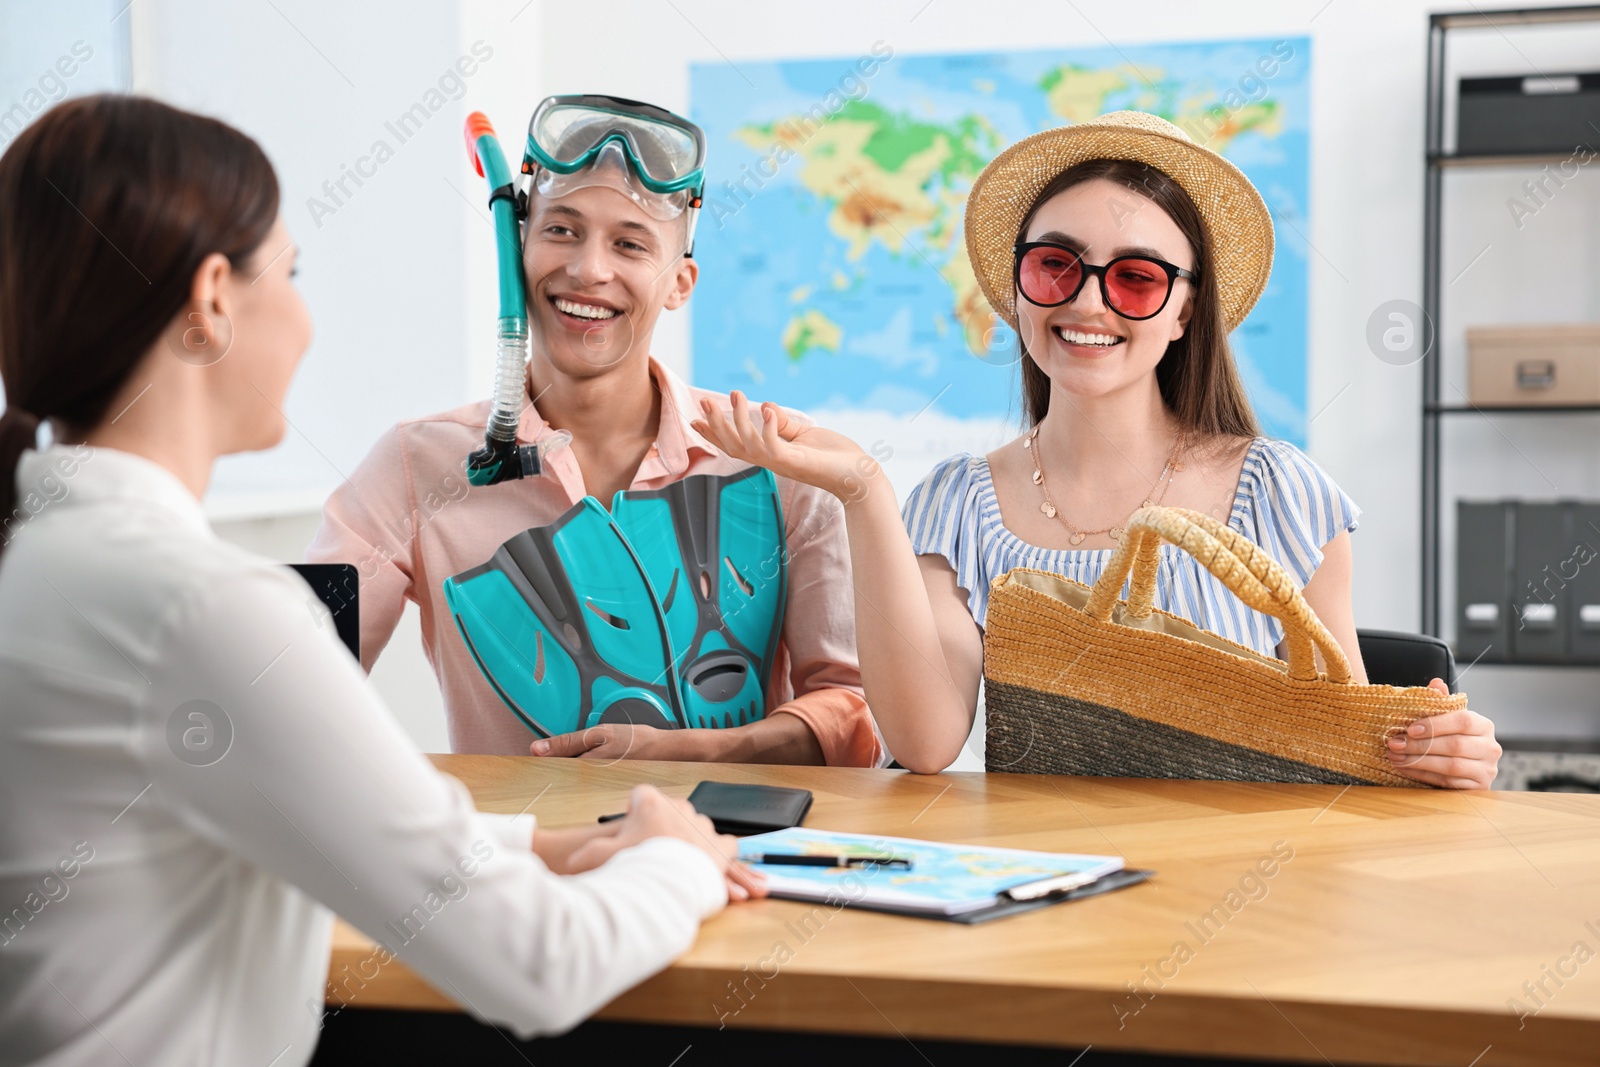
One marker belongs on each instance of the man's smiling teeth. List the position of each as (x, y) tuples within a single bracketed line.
[(1078, 337), (584, 311)]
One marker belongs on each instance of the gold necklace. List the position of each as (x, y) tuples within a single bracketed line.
[(1077, 536)]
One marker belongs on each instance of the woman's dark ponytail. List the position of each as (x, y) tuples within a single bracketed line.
[(18, 431)]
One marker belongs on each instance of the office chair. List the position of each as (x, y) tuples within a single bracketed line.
[(1396, 658), (336, 585)]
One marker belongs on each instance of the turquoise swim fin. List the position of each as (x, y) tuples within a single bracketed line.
[(564, 625), (714, 550)]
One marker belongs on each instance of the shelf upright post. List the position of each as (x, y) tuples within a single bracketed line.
[(1431, 202)]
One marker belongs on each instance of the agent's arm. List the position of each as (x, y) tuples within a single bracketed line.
[(320, 786)]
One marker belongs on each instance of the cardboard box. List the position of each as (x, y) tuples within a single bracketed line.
[(1534, 366)]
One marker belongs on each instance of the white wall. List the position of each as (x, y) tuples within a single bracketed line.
[(50, 53), (400, 279), (388, 257)]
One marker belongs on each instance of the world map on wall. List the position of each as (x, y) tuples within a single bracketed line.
[(834, 275)]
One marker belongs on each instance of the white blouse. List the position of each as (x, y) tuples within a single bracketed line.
[(193, 772)]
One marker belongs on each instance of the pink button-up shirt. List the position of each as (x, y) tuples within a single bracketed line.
[(408, 519)]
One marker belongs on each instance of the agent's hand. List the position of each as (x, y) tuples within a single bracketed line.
[(768, 438), (614, 741), (653, 814), (1456, 750)]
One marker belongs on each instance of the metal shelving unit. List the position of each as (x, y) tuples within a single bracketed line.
[(1513, 409), (1437, 161)]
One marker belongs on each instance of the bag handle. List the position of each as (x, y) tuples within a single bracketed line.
[(1239, 563)]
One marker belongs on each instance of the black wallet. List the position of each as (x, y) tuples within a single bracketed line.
[(750, 809)]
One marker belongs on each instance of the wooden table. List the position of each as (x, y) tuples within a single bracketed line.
[(1304, 923)]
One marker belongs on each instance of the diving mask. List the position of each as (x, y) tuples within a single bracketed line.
[(610, 168), (654, 157)]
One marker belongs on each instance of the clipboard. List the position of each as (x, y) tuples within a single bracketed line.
[(961, 883), (1003, 908)]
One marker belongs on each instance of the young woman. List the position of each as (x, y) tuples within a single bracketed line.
[(1136, 252), (195, 774)]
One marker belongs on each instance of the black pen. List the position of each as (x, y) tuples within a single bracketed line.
[(792, 859)]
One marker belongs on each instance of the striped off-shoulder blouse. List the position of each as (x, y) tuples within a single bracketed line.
[(1284, 502)]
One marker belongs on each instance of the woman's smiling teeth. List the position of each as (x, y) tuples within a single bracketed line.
[(1096, 340), (583, 311)]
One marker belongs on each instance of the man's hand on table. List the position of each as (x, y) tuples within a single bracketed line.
[(781, 736), (618, 740)]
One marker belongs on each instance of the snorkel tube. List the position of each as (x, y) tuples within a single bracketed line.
[(501, 459)]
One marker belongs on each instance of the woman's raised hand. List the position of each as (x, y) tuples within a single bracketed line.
[(768, 438)]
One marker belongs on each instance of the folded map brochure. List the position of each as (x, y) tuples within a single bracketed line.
[(943, 880)]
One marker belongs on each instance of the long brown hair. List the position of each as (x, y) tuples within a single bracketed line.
[(108, 206), (1197, 377)]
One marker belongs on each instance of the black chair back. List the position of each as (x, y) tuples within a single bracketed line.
[(1396, 658), (335, 584)]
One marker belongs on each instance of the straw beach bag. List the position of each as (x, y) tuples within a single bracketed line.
[(1079, 682)]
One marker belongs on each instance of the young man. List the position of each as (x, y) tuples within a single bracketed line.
[(604, 254)]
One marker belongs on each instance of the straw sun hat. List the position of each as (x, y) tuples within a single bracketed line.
[(1236, 218)]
